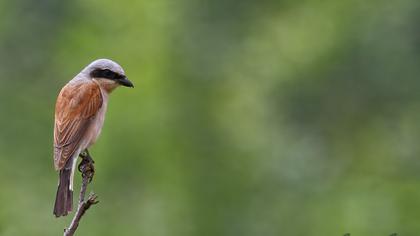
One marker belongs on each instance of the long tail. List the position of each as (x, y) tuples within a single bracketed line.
[(64, 198)]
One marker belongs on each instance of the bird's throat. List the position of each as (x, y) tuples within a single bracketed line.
[(106, 84)]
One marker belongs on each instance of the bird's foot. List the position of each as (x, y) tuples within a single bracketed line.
[(86, 166)]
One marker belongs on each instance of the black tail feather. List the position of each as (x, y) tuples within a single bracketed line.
[(64, 198)]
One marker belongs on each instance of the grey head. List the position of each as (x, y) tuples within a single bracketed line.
[(107, 69)]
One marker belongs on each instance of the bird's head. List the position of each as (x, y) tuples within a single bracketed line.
[(107, 73)]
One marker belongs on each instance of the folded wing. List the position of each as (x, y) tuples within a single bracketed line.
[(77, 105)]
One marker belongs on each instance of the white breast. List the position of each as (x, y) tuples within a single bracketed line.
[(100, 118), (98, 121)]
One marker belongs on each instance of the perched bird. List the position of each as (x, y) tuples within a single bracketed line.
[(79, 116)]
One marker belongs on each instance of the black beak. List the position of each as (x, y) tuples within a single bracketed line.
[(125, 82)]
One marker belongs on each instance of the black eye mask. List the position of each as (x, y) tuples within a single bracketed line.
[(107, 74)]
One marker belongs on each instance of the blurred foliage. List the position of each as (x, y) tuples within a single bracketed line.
[(248, 118)]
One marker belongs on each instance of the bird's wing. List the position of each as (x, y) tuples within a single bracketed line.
[(77, 105)]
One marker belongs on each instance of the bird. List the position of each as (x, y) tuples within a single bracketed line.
[(79, 116)]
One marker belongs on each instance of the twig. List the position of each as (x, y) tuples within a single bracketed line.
[(81, 209), (87, 169)]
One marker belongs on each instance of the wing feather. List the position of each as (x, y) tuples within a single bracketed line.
[(77, 105)]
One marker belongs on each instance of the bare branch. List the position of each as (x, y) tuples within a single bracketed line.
[(88, 170), (81, 209)]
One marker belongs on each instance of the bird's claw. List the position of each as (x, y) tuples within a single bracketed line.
[(86, 166)]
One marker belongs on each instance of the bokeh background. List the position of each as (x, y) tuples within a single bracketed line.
[(271, 117)]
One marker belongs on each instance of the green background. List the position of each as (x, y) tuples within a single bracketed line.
[(248, 117)]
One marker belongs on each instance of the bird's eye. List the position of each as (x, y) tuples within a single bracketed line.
[(107, 73)]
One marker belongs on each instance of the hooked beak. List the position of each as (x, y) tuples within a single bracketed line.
[(125, 82)]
